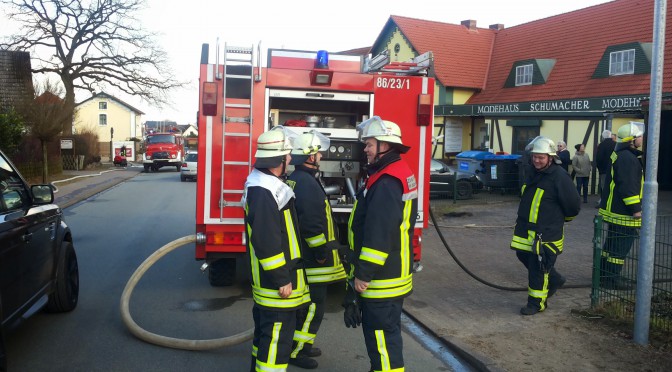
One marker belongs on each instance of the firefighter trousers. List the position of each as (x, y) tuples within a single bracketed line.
[(272, 341), (616, 248), (309, 319), (381, 325), (539, 278)]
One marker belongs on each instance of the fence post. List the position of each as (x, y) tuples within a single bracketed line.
[(597, 258)]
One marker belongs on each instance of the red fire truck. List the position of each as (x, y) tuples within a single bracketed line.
[(163, 150), (239, 99)]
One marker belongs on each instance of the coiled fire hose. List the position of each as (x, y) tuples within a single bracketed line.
[(171, 342)]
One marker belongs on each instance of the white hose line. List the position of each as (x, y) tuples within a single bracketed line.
[(153, 338)]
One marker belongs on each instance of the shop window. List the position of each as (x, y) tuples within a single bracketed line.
[(524, 75), (102, 119), (102, 105), (622, 62), (522, 137)]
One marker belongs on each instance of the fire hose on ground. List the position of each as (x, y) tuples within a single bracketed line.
[(171, 342)]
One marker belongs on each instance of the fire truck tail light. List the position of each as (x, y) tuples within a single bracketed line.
[(424, 110), (225, 238), (209, 99)]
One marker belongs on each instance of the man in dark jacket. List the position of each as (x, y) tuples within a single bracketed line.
[(279, 287), (603, 156), (548, 200), (318, 242), (381, 235), (621, 204)]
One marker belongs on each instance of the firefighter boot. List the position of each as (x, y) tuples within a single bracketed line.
[(303, 361), (310, 351), (529, 310), (555, 285), (615, 282)]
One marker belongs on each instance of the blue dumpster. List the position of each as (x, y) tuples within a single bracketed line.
[(501, 172), (472, 161)]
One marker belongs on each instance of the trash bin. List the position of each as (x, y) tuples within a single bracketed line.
[(472, 161), (501, 172)]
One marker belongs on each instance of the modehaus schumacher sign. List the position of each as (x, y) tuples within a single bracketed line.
[(582, 105)]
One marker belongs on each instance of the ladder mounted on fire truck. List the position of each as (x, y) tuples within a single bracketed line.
[(238, 110), (382, 63)]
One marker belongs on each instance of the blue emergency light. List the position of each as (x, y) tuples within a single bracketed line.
[(322, 60)]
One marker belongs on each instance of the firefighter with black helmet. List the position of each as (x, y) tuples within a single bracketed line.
[(548, 200), (279, 286), (318, 241), (380, 234), (621, 204)]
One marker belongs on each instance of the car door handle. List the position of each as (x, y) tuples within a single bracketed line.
[(27, 237)]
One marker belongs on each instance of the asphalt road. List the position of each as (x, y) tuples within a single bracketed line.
[(114, 232)]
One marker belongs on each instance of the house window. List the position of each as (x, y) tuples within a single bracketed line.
[(102, 119), (102, 105), (622, 62), (524, 75)]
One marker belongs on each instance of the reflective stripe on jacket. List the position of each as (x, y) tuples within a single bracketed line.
[(381, 232), (273, 244), (548, 200), (318, 235), (624, 187)]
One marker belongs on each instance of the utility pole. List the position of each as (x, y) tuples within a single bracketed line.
[(111, 144)]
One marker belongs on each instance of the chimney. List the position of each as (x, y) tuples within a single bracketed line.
[(496, 27), (469, 24)]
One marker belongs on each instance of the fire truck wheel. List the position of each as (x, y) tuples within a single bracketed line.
[(222, 273), (146, 168), (178, 167)]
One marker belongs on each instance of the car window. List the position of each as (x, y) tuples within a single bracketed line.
[(192, 157), (435, 166), (13, 192)]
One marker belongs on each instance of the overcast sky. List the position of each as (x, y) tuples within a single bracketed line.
[(300, 24)]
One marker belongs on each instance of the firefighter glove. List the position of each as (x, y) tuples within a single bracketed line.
[(353, 314)]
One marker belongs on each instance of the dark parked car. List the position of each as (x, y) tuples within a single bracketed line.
[(441, 181), (38, 264)]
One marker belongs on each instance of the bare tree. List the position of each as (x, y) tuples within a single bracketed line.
[(45, 114), (92, 44)]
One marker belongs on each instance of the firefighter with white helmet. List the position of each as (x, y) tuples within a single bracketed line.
[(318, 242), (380, 234), (621, 204), (548, 200), (279, 287)]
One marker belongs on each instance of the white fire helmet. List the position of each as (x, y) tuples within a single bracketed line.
[(383, 131), (630, 131), (310, 143), (542, 145), (273, 143)]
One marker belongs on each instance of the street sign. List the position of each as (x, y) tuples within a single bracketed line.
[(66, 144)]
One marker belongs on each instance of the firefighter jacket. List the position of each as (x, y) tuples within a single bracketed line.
[(272, 242), (380, 230), (622, 194), (318, 235), (548, 200)]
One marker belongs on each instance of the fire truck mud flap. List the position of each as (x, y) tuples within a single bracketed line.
[(222, 272), (171, 342)]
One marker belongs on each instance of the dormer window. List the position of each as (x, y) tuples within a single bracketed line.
[(622, 62), (624, 59), (524, 75), (529, 72)]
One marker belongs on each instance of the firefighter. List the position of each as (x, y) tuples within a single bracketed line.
[(279, 286), (548, 200), (318, 242), (380, 234), (621, 204)]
